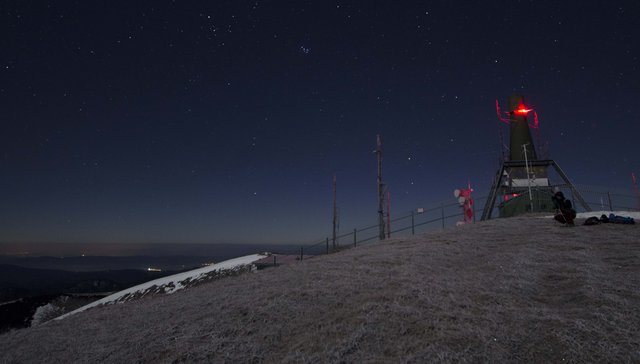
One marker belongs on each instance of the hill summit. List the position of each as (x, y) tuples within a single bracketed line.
[(523, 289)]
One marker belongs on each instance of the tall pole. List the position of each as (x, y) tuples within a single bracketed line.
[(635, 186), (388, 214), (380, 189), (335, 212), (526, 166), (500, 134)]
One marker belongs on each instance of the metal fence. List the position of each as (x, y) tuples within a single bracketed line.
[(610, 199), (440, 216), (437, 216)]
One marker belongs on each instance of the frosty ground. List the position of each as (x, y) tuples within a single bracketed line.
[(522, 289)]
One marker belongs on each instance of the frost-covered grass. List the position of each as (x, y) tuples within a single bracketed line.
[(508, 290)]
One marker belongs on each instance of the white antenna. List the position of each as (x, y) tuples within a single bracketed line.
[(526, 166)]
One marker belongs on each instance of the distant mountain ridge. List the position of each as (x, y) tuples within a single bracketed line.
[(165, 256), (17, 282), (105, 263)]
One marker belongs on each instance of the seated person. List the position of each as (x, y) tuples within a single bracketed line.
[(565, 213)]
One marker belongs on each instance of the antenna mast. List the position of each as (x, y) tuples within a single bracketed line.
[(380, 189), (335, 212), (388, 214), (526, 166), (635, 186), (503, 153)]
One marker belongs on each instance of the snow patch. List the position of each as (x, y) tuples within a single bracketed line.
[(176, 282)]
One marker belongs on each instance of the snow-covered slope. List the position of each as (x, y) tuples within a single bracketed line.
[(175, 282)]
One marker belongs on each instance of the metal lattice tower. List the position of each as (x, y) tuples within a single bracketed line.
[(524, 171)]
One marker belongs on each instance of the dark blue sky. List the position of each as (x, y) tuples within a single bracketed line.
[(224, 121)]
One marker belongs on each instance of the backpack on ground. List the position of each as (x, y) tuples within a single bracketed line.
[(621, 219), (593, 220)]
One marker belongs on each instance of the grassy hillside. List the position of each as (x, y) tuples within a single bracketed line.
[(509, 290)]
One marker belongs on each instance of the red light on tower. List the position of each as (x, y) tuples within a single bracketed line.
[(522, 110)]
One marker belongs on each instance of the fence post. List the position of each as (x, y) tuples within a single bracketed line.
[(355, 241), (301, 252), (413, 225), (610, 204), (327, 245), (442, 214), (274, 261)]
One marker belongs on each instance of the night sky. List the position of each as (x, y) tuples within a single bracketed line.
[(224, 121)]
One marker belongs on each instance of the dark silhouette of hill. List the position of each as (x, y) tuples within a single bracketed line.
[(22, 289), (523, 289)]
